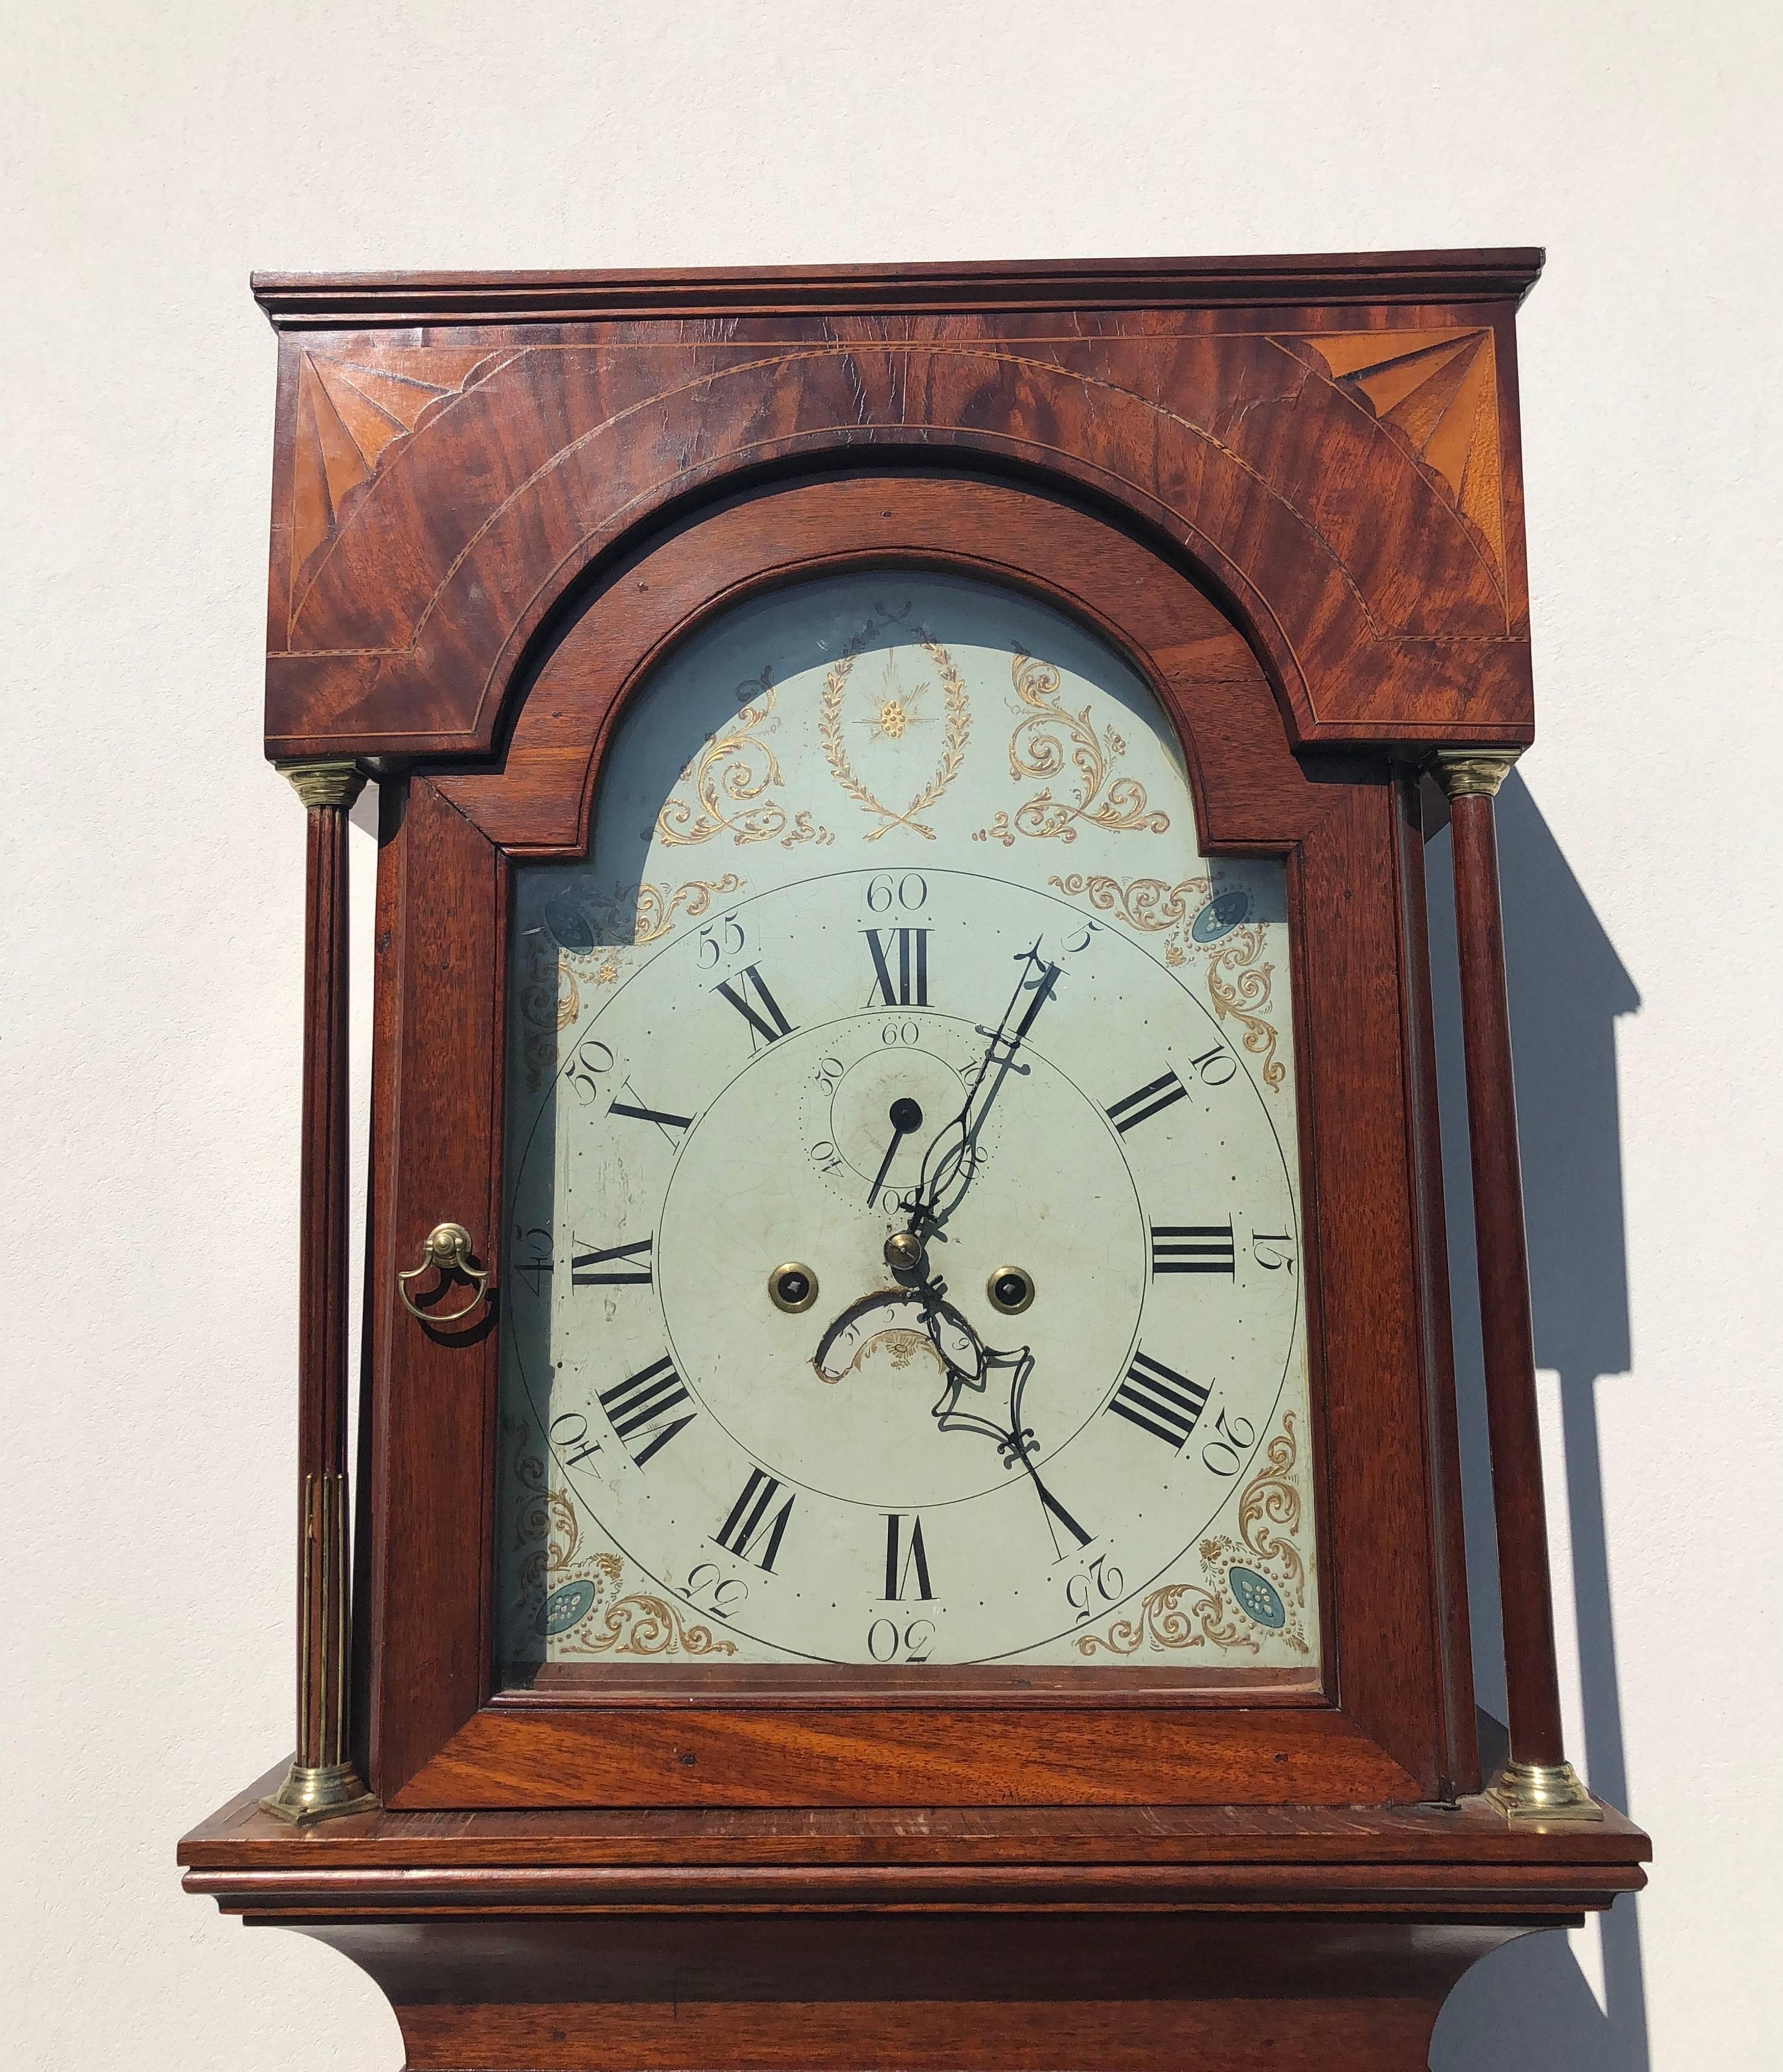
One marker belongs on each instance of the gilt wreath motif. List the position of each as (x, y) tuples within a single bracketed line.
[(892, 720)]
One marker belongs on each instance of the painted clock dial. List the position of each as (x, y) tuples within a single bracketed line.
[(902, 1261)]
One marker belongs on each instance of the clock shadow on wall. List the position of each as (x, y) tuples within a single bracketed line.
[(1567, 987)]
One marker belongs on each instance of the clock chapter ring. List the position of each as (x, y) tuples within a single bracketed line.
[(447, 1251)]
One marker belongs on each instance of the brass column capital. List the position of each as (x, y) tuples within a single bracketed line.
[(319, 782), (1472, 772)]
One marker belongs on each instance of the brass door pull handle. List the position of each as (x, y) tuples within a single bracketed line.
[(447, 1250)]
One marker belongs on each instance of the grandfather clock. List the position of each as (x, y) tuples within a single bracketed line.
[(906, 1510)]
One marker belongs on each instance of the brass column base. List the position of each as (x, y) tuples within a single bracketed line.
[(327, 1791), (1547, 1794)]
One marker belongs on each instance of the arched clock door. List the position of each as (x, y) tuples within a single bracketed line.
[(893, 861)]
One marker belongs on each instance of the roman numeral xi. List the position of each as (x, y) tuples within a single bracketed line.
[(749, 994)]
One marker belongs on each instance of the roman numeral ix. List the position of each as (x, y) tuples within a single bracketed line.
[(643, 1403), (1140, 1107), (911, 986), (749, 994), (1193, 1248), (749, 1522), (1159, 1400), (619, 1266)]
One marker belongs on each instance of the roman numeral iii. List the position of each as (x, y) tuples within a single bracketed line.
[(905, 950), (905, 1557), (644, 1402), (1149, 1101), (1159, 1400), (1192, 1248), (619, 1266), (750, 1524), (749, 994)]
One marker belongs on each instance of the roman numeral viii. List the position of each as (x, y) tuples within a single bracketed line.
[(1159, 1400), (1149, 1101), (749, 1523), (904, 1556), (906, 949), (619, 1266), (749, 994), (645, 1402), (1192, 1248)]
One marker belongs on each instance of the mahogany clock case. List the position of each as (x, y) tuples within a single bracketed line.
[(1289, 492)]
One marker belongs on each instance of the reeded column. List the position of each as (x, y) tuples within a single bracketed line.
[(1536, 1783), (322, 1782)]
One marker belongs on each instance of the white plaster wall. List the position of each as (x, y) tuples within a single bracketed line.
[(152, 878)]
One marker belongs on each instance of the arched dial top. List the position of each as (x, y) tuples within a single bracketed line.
[(902, 1229)]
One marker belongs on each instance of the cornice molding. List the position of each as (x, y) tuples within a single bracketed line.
[(354, 301)]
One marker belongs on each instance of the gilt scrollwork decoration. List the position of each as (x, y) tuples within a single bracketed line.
[(1052, 742), (734, 767), (1214, 927), (574, 948), (1252, 1588), (579, 1599)]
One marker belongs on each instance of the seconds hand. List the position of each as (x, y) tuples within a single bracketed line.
[(905, 1115)]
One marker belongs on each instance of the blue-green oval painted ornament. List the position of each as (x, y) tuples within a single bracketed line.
[(1219, 917), (1258, 1597), (567, 1605), (571, 926)]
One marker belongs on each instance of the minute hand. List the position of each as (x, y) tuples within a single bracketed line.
[(945, 1153)]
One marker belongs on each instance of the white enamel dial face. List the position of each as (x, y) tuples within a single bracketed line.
[(902, 1261)]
